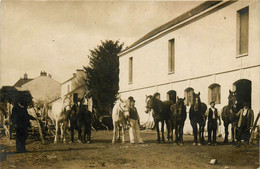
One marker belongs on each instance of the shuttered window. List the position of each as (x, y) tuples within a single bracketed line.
[(189, 96), (243, 22), (131, 70), (171, 57), (214, 93)]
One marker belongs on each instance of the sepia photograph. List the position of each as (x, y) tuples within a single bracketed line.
[(148, 84)]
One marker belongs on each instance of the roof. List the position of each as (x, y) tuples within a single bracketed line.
[(198, 9), (68, 80), (21, 82)]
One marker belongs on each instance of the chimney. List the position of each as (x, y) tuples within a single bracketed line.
[(25, 76), (49, 75), (43, 73)]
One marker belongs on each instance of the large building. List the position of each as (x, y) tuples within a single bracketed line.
[(211, 49), (43, 88)]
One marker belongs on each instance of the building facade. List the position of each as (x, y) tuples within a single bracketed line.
[(74, 86), (43, 88), (211, 49)]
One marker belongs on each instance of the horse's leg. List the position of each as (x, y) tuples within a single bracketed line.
[(181, 134), (158, 131), (62, 131), (195, 131), (168, 130), (123, 133), (56, 131), (202, 131), (233, 133), (162, 130), (200, 134), (176, 133), (226, 132), (114, 133), (65, 131), (89, 133), (72, 134)]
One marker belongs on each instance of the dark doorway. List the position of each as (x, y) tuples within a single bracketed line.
[(172, 95), (243, 89)]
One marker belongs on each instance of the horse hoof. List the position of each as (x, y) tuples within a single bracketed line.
[(88, 142), (55, 142), (181, 144), (113, 142), (194, 144), (123, 142), (199, 144)]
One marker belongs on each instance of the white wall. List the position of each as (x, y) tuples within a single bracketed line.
[(204, 47)]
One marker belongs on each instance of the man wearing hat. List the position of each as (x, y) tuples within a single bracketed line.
[(134, 130), (213, 115), (245, 123)]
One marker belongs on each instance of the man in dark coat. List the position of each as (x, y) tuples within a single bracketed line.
[(245, 123), (21, 121), (213, 115)]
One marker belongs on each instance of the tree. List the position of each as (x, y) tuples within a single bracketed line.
[(9, 94), (102, 75)]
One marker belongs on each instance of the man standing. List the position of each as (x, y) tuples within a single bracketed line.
[(21, 121), (213, 115), (134, 130), (245, 123)]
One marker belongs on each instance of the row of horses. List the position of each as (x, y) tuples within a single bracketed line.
[(77, 116), (174, 115), (72, 116)]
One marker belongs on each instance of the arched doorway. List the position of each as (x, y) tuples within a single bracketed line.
[(171, 95), (188, 93), (243, 90)]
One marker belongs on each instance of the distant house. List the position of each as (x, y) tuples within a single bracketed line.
[(43, 88), (74, 86)]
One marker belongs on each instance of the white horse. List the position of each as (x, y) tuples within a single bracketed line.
[(119, 114), (59, 114)]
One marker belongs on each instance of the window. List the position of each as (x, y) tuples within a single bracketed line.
[(189, 96), (171, 57), (131, 70), (242, 31), (214, 93)]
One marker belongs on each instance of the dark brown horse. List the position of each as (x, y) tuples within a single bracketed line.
[(197, 116), (229, 115), (74, 121), (161, 113), (179, 117)]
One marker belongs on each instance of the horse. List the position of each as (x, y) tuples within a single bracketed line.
[(179, 117), (120, 113), (197, 116), (228, 115), (59, 114), (161, 113)]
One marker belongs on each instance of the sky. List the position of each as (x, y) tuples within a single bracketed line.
[(56, 36)]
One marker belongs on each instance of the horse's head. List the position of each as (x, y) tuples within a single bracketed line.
[(66, 103), (149, 103), (180, 106), (196, 101), (232, 99), (124, 107)]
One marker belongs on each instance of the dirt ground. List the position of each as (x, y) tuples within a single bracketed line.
[(102, 154)]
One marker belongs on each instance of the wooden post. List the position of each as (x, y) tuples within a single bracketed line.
[(254, 126)]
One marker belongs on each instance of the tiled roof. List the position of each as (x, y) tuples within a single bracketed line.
[(21, 82), (203, 6)]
